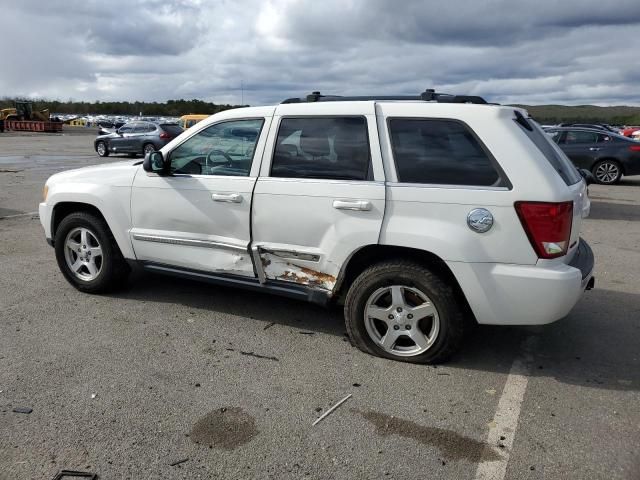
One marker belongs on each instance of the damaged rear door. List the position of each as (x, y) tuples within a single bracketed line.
[(320, 196)]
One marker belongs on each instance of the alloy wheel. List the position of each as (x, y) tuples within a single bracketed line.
[(401, 320), (607, 172), (83, 254)]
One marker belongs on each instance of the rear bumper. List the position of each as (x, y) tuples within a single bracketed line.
[(504, 294)]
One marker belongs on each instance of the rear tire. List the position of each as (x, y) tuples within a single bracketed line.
[(102, 149), (88, 255), (148, 148), (607, 172), (412, 315)]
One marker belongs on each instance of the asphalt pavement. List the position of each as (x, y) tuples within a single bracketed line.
[(172, 379)]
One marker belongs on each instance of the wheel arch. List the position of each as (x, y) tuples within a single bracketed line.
[(64, 208), (368, 255)]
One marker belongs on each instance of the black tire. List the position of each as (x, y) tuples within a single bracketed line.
[(114, 269), (607, 172), (102, 149), (412, 275), (148, 148)]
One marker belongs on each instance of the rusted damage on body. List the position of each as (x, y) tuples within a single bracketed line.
[(281, 269)]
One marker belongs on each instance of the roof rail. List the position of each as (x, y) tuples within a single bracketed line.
[(429, 95)]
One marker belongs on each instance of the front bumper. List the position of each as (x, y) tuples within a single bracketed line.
[(44, 212), (506, 294)]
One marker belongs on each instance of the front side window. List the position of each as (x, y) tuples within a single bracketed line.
[(222, 149), (443, 152), (127, 128), (323, 148)]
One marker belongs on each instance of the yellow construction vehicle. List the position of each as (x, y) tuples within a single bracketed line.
[(24, 118)]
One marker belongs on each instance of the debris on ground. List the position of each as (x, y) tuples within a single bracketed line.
[(307, 333), (328, 412), (94, 395), (74, 473), (251, 354), (22, 410), (178, 462), (269, 325)]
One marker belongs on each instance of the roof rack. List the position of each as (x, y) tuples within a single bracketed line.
[(429, 95)]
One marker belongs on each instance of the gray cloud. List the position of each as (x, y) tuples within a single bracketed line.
[(535, 52)]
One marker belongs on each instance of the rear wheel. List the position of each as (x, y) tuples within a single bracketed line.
[(102, 149), (402, 311), (148, 148), (88, 255), (607, 172)]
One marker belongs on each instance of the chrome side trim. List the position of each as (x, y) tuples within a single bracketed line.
[(189, 242), (257, 261), (292, 254)]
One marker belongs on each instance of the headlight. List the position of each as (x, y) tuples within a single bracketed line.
[(45, 192)]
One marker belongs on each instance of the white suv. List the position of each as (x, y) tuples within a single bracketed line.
[(417, 213)]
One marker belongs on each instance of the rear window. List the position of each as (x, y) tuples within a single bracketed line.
[(550, 150), (443, 152), (172, 128)]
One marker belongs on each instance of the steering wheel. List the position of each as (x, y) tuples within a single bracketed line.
[(218, 152)]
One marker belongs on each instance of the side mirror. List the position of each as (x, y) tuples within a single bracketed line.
[(587, 175), (154, 162)]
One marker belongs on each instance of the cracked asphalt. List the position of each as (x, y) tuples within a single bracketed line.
[(171, 379)]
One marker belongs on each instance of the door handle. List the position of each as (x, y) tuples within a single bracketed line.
[(360, 205), (226, 197), (594, 149)]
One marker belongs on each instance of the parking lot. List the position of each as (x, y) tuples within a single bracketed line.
[(174, 379)]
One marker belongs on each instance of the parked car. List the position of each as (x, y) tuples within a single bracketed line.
[(597, 126), (417, 213), (629, 131), (607, 156), (136, 138)]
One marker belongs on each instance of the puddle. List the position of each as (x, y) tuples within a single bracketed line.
[(452, 445), (226, 428)]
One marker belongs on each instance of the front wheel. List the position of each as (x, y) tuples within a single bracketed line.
[(402, 311), (607, 172), (88, 255), (102, 149)]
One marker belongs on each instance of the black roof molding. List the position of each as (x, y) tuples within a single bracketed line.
[(429, 95)]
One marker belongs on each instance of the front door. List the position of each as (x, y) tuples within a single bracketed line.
[(198, 216), (322, 195)]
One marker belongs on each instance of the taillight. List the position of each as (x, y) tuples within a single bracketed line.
[(635, 148), (548, 226), (165, 135)]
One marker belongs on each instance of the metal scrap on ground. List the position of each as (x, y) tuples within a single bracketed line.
[(328, 412)]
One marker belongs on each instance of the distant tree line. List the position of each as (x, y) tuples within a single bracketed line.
[(547, 114), (172, 108), (553, 114)]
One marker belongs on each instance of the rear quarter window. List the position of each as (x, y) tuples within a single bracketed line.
[(441, 151), (551, 152)]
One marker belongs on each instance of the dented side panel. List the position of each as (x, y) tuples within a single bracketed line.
[(290, 270)]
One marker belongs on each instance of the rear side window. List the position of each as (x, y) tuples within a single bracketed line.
[(322, 147), (443, 152), (551, 152)]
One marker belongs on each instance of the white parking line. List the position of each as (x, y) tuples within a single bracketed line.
[(505, 422)]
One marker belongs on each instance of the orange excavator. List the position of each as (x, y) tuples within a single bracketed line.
[(25, 119)]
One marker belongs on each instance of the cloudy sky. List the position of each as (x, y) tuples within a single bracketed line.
[(532, 52)]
